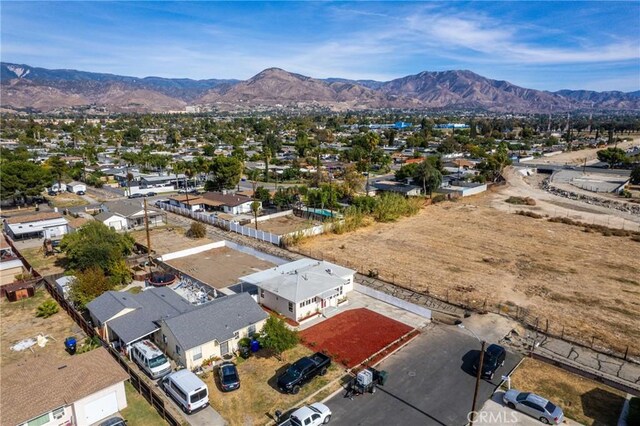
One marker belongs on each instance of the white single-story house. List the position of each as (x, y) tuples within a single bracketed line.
[(79, 390), (229, 203), (397, 187), (192, 202), (63, 285), (132, 211), (112, 220), (58, 187), (462, 188), (76, 186), (39, 225), (302, 288), (211, 330)]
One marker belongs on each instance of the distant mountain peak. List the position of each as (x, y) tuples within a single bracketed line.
[(33, 88)]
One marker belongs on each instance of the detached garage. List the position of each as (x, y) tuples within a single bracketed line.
[(76, 390)]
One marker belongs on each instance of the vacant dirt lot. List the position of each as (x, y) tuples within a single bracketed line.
[(19, 322), (578, 157), (285, 224), (469, 252), (168, 239), (220, 267), (583, 400)]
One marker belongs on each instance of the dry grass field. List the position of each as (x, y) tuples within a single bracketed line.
[(470, 252), (285, 224), (586, 401)]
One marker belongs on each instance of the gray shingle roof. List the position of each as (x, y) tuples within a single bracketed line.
[(110, 303), (217, 320), (102, 216), (150, 306), (125, 208)]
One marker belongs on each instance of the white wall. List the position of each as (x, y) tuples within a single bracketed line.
[(117, 222), (276, 303), (79, 406), (66, 417), (387, 298), (190, 251)]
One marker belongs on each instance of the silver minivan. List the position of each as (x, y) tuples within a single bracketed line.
[(189, 392)]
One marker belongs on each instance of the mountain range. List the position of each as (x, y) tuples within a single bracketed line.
[(23, 87)]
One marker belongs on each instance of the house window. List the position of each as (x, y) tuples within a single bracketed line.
[(340, 291), (59, 413), (251, 330), (177, 349), (196, 353), (164, 339), (290, 307), (42, 420), (262, 293), (236, 335)]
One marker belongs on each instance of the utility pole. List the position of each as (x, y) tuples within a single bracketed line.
[(146, 226), (475, 393)]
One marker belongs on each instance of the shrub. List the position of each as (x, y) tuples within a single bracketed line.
[(89, 345), (529, 214), (245, 342), (439, 198), (47, 309), (276, 336), (197, 230), (526, 201)]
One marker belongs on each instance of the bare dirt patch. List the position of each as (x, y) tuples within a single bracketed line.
[(19, 322), (583, 400), (220, 267), (67, 199), (45, 265), (168, 239), (285, 224), (470, 253)]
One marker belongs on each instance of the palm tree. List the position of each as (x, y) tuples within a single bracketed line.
[(255, 207), (253, 175)]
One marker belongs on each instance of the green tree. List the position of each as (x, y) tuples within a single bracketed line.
[(253, 175), (406, 171), (225, 173), (277, 337), (255, 208), (613, 156), (58, 168), (89, 284), (261, 193), (20, 179), (96, 245), (429, 176)]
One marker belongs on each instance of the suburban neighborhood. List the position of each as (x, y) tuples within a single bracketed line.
[(387, 232)]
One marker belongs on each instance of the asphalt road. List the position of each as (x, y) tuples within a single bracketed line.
[(427, 384)]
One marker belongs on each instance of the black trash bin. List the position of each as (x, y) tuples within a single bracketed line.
[(382, 377)]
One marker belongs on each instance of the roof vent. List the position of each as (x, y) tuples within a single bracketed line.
[(329, 271)]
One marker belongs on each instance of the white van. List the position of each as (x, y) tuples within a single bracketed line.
[(150, 359), (187, 390)]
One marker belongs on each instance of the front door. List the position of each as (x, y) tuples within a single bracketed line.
[(224, 348)]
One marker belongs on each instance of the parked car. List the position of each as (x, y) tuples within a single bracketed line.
[(534, 405), (80, 193), (114, 421), (310, 415), (189, 392), (150, 194), (136, 195), (150, 359), (494, 357), (303, 370), (229, 377), (52, 193)]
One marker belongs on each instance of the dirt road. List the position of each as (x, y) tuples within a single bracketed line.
[(470, 252)]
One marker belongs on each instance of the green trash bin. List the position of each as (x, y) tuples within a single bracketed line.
[(382, 377)]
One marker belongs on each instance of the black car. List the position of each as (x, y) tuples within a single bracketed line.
[(114, 421), (229, 378), (303, 370), (150, 194), (136, 195), (80, 193), (494, 357)]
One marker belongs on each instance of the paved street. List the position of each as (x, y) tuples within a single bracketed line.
[(429, 384)]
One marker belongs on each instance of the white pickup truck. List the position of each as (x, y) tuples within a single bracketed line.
[(310, 415)]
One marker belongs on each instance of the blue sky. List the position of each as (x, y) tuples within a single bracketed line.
[(541, 45)]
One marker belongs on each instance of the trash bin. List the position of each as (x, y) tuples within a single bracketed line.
[(244, 351), (255, 346), (70, 345), (382, 377)]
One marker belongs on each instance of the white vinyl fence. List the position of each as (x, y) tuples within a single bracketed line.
[(392, 300), (224, 224)]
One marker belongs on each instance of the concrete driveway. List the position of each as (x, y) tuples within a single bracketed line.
[(428, 384)]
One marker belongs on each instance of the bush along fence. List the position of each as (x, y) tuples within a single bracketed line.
[(224, 224), (151, 395)]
